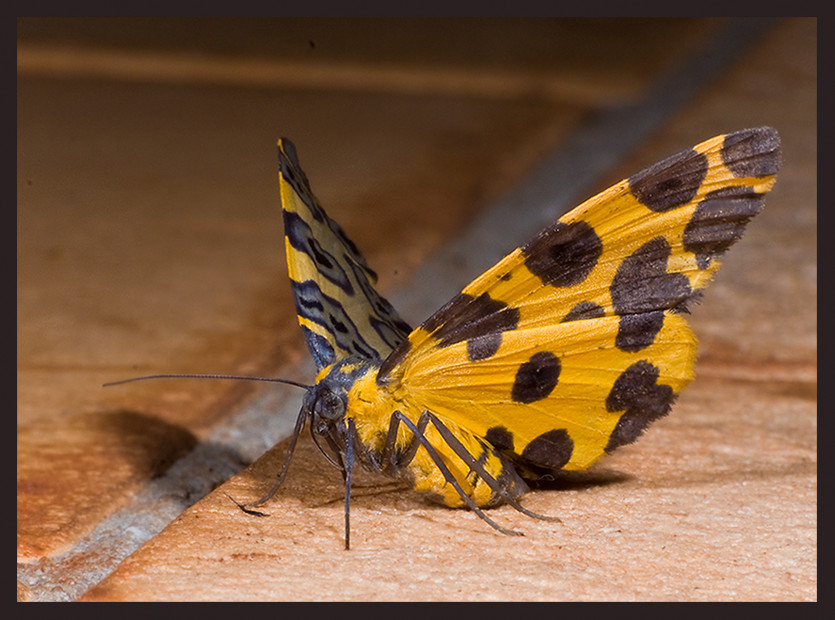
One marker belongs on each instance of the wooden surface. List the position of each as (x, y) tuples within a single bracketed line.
[(149, 240)]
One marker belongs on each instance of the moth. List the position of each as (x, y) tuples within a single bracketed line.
[(565, 350)]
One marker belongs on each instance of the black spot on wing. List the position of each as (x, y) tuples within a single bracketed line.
[(584, 310), (449, 312), (478, 320), (637, 392), (536, 378), (551, 450), (641, 290), (719, 221), (638, 331), (482, 347), (563, 254), (752, 152), (670, 183), (642, 283), (500, 438)]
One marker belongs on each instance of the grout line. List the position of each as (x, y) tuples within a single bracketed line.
[(553, 187)]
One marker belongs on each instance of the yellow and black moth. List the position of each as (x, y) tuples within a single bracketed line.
[(566, 349)]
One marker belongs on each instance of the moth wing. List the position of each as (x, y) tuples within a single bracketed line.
[(338, 308), (603, 286), (558, 396)]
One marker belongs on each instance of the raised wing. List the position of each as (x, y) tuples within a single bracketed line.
[(338, 308), (573, 343)]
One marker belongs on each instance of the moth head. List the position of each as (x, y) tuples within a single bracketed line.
[(326, 403)]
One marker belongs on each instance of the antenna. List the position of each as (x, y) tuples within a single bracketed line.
[(206, 376)]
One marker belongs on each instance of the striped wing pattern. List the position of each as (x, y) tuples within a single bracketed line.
[(338, 308)]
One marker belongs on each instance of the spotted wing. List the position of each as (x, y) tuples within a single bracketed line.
[(573, 343), (338, 308)]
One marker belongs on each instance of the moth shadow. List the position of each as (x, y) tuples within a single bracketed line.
[(173, 462), (143, 443), (576, 480), (312, 480), (315, 483)]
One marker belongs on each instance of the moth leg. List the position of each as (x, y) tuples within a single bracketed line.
[(497, 487), (249, 511), (417, 433), (336, 459), (347, 476), (393, 460), (284, 466)]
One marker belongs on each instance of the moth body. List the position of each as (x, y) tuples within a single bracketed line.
[(350, 390)]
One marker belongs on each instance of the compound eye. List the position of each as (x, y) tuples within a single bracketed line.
[(329, 406)]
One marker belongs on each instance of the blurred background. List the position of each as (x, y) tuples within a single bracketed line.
[(149, 234)]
